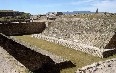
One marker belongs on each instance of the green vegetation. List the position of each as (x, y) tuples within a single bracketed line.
[(79, 58)]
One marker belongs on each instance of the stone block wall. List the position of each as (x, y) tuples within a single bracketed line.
[(22, 28), (89, 33), (94, 32)]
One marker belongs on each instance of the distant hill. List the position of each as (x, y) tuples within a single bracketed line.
[(80, 12)]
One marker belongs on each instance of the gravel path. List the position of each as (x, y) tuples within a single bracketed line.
[(8, 64)]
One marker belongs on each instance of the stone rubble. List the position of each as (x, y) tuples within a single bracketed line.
[(108, 66)]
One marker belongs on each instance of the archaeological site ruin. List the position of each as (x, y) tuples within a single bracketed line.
[(54, 43)]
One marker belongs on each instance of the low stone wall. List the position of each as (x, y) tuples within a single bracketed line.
[(77, 46), (108, 66), (71, 44), (22, 28)]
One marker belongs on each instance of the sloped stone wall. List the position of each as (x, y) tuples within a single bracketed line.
[(90, 33), (94, 32), (77, 46)]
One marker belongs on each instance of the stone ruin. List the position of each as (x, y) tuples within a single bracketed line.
[(22, 28), (91, 35), (27, 57)]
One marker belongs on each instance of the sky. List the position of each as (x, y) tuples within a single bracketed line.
[(44, 6)]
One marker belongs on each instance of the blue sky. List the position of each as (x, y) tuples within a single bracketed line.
[(44, 6)]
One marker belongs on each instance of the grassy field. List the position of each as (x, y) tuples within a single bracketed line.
[(80, 59)]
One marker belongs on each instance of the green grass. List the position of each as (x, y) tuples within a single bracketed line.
[(80, 59)]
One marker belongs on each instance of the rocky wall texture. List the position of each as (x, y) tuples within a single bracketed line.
[(108, 66), (22, 28), (91, 31), (74, 45), (102, 53)]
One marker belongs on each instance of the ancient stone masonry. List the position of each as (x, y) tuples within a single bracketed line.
[(88, 35), (94, 32), (22, 28), (107, 66), (75, 45)]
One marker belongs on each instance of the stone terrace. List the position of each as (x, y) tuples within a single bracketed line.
[(94, 32), (91, 35)]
